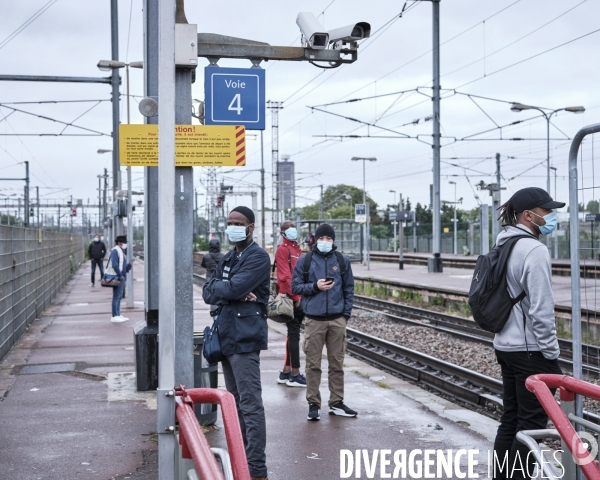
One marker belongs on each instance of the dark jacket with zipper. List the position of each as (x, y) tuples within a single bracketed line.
[(97, 250), (211, 259), (242, 325), (324, 305)]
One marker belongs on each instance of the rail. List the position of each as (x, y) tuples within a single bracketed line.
[(193, 442), (540, 385)]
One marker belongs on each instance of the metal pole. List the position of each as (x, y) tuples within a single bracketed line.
[(129, 210), (401, 231), (548, 237), (554, 234), (37, 196), (167, 238), (574, 240), (104, 207), (151, 47), (415, 233), (435, 265), (99, 203), (321, 204), (59, 218), (455, 222), (496, 223), (114, 34), (262, 190), (485, 229), (26, 216)]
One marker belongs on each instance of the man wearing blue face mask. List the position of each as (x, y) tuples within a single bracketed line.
[(324, 279), (527, 343), (239, 287)]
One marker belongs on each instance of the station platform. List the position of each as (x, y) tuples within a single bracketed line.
[(459, 280), (69, 407)]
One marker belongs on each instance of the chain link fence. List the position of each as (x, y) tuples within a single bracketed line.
[(34, 265)]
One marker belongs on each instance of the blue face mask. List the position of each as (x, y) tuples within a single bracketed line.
[(236, 233), (550, 225), (96, 239), (291, 234), (324, 247)]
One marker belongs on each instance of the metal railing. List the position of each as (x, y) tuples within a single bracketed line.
[(194, 444), (34, 265), (562, 416)]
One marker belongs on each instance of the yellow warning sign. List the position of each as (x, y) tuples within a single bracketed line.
[(195, 145), (446, 230)]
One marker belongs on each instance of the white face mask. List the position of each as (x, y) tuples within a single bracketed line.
[(324, 246), (124, 246)]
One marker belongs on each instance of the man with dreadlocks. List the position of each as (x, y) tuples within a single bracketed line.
[(527, 344)]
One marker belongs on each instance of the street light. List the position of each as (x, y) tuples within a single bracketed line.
[(519, 107), (367, 229), (395, 221), (106, 65)]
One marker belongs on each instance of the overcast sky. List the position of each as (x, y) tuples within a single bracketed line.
[(481, 43)]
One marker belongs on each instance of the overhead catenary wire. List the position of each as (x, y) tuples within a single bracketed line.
[(26, 23)]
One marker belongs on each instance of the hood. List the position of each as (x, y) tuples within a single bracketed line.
[(510, 231), (214, 245)]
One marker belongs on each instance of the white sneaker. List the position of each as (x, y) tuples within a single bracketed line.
[(91, 284), (118, 319), (123, 318)]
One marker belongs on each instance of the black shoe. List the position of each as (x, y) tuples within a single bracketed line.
[(313, 412), (342, 410)]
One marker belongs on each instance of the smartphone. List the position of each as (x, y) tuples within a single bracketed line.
[(329, 279)]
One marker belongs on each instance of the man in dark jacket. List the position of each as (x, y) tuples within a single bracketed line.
[(96, 253), (327, 298), (240, 287), (212, 258)]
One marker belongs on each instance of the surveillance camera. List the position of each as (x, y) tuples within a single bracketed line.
[(315, 35), (350, 33)]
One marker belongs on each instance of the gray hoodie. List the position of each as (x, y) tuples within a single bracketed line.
[(529, 269)]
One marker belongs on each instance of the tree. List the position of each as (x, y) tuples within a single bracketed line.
[(424, 215), (593, 207)]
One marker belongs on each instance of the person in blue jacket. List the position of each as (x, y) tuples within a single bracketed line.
[(327, 291), (118, 267), (239, 287)]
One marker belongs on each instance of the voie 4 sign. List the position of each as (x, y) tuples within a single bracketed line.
[(235, 96)]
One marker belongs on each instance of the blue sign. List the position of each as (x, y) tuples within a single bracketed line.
[(235, 96)]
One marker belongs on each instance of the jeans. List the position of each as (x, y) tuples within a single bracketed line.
[(522, 409), (331, 333), (101, 266), (292, 342), (116, 300), (242, 379)]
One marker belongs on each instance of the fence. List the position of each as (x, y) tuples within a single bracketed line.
[(34, 265)]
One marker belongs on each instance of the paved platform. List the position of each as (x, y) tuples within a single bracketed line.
[(459, 279), (88, 422)]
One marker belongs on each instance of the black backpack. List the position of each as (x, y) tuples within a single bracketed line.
[(340, 259), (489, 298)]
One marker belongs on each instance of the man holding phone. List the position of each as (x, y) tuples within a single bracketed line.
[(324, 279)]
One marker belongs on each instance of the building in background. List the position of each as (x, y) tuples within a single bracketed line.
[(287, 183)]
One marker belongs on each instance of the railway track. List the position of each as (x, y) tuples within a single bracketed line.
[(590, 269), (467, 329)]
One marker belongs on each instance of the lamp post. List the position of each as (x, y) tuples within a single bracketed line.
[(554, 234), (519, 107), (395, 221), (454, 220), (367, 223)]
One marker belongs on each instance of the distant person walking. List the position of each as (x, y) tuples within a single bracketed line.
[(327, 290), (117, 266), (286, 257), (527, 343), (212, 258), (96, 253), (240, 288)]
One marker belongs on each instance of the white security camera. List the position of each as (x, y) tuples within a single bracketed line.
[(350, 33), (314, 34)]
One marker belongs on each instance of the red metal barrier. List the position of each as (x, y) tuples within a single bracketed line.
[(569, 386), (193, 441)]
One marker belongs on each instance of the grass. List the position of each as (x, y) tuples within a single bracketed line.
[(383, 385), (360, 374)]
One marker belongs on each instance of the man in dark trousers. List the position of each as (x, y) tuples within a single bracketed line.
[(286, 257), (327, 290), (96, 253), (212, 258), (527, 343), (240, 289)]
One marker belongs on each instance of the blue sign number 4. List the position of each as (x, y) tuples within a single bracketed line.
[(235, 96)]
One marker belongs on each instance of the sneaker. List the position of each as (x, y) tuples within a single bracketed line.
[(123, 318), (297, 381), (91, 284), (284, 377), (342, 410), (118, 319), (313, 412)]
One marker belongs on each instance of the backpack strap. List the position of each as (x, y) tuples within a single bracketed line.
[(306, 265), (342, 262)]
